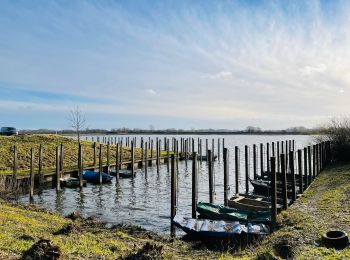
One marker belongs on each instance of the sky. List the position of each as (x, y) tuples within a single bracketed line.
[(174, 64)]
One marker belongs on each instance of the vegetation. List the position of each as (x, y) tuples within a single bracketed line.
[(338, 132), (24, 228)]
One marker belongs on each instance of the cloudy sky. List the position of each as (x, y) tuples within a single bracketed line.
[(182, 64)]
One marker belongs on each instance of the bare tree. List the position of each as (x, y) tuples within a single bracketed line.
[(77, 120)]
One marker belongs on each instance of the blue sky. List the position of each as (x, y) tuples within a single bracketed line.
[(174, 64)]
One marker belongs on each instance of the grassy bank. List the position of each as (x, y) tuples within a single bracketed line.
[(21, 229), (49, 142), (324, 206)]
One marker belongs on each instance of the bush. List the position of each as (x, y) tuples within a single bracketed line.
[(338, 132)]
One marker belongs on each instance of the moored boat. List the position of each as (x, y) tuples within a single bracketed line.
[(71, 182), (205, 228), (243, 202), (221, 212), (122, 174), (94, 177)]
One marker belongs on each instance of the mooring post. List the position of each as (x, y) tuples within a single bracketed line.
[(40, 165), (61, 157), (206, 148), (237, 164), (314, 161), (268, 158), (317, 160), (300, 168), (100, 164), (108, 157), (121, 154), (219, 156), (168, 156), (255, 165), (211, 177), (246, 155), (132, 159), (292, 172), (173, 194), (58, 184), (146, 159), (284, 182), (277, 157), (226, 176), (117, 161), (94, 147), (31, 193), (306, 172), (213, 149), (80, 166), (286, 153), (273, 194), (200, 150), (261, 159), (15, 167), (194, 185), (142, 152), (273, 149)]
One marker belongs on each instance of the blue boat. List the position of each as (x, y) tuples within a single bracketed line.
[(94, 177)]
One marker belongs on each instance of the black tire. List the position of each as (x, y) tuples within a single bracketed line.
[(335, 238)]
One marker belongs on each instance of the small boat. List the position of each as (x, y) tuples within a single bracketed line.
[(71, 182), (243, 202), (94, 177), (264, 188), (205, 158), (221, 212), (205, 228), (261, 198), (122, 174)]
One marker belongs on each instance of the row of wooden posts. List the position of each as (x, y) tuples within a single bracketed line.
[(282, 164)]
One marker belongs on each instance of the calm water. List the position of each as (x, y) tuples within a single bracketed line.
[(145, 200)]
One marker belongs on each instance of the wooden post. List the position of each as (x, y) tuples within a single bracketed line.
[(268, 157), (237, 164), (273, 194), (168, 156), (194, 185), (291, 169), (146, 159), (246, 153), (200, 150), (255, 165), (31, 192), (284, 182), (100, 163), (142, 151), (40, 166), (58, 184), (300, 168), (306, 172), (173, 194), (314, 162), (317, 161), (219, 157), (157, 154), (108, 157), (15, 167), (121, 154), (94, 147), (132, 159), (61, 157), (273, 149), (277, 157), (226, 176), (261, 159), (80, 166), (206, 148), (117, 161), (211, 177), (212, 149)]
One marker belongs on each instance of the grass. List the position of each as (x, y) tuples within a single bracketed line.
[(50, 142), (22, 226), (324, 206)]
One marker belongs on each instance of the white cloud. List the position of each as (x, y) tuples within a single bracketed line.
[(219, 75), (150, 91), (311, 70)]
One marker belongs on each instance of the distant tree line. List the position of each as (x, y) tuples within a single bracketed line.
[(125, 130)]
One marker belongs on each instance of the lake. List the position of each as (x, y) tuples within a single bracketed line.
[(145, 200)]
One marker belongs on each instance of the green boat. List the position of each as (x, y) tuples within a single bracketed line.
[(221, 212)]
